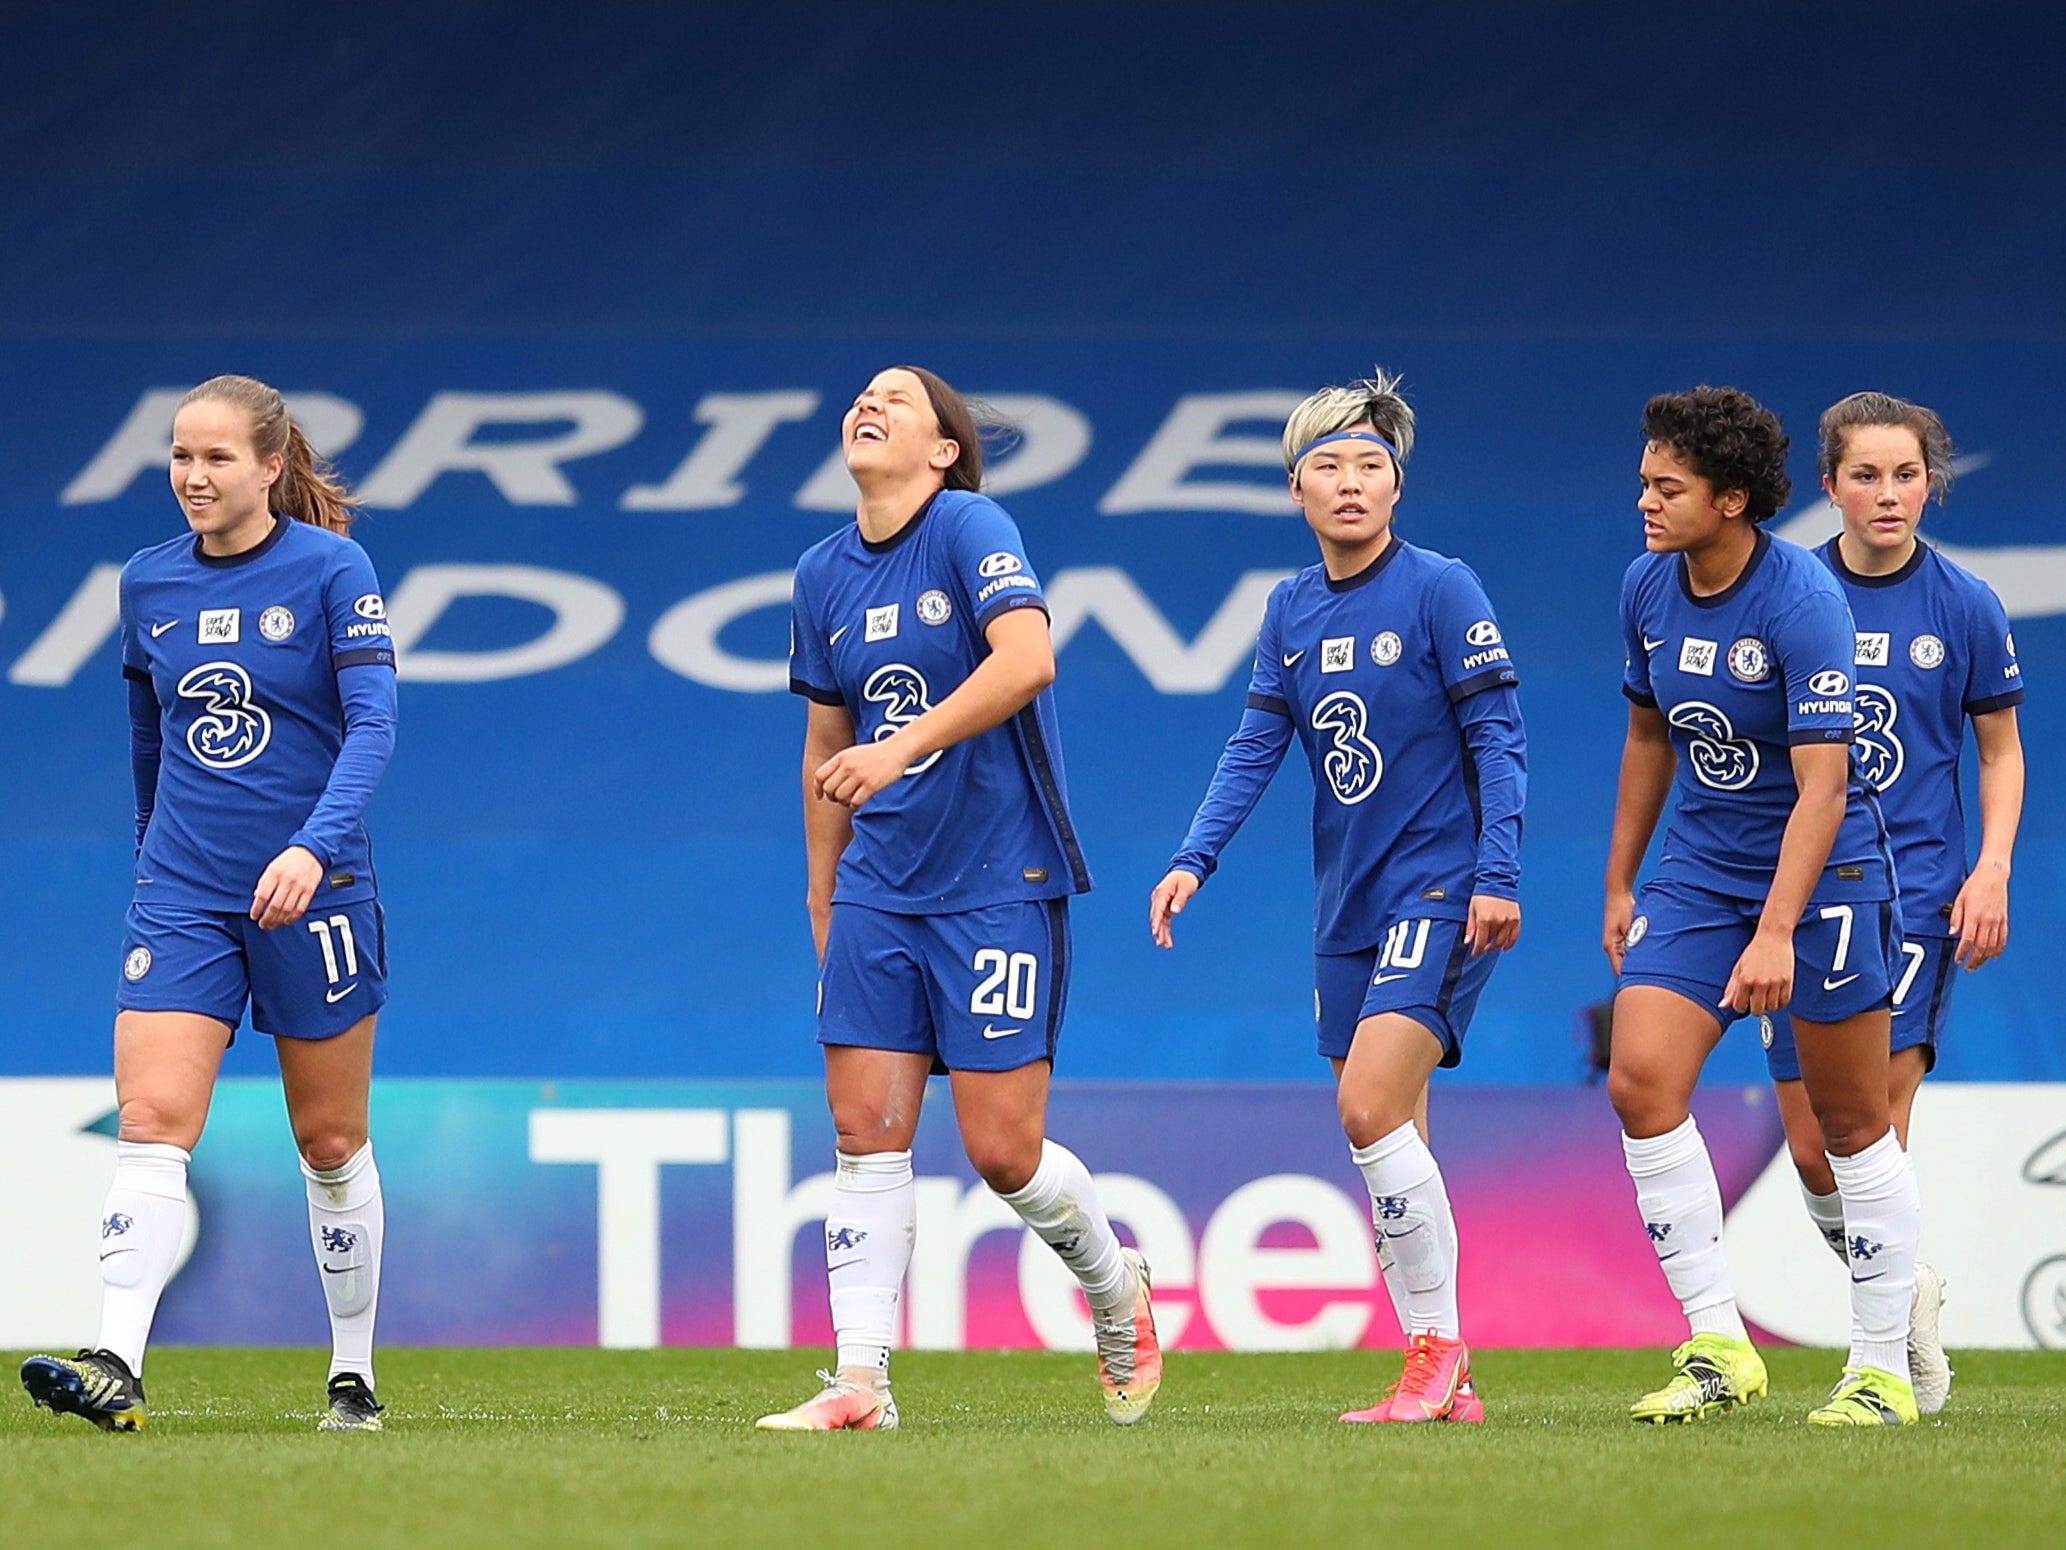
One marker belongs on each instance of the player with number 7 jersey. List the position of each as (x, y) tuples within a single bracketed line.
[(1386, 663), (262, 713), (1775, 890)]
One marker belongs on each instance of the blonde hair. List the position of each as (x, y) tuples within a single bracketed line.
[(309, 489), (1374, 401), (1861, 409)]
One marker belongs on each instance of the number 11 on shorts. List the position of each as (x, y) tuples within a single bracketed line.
[(332, 934)]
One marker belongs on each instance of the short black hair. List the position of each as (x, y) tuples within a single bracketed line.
[(1729, 439)]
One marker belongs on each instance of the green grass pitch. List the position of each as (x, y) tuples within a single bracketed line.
[(626, 1449)]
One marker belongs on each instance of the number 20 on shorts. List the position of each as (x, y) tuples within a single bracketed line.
[(1008, 983)]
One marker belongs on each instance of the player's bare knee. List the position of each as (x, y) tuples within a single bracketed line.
[(330, 1148), (1846, 1129), (1367, 1120), (1809, 1161), (1006, 1164), (1635, 1101), (146, 1119)]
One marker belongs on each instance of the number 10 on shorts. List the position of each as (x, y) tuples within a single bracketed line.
[(1007, 988), (334, 934)]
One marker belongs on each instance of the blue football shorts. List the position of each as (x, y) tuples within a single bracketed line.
[(311, 980), (1922, 1005), (1422, 969), (1847, 956), (978, 990)]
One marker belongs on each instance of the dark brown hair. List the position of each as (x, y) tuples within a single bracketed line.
[(957, 423), (1848, 414), (308, 489)]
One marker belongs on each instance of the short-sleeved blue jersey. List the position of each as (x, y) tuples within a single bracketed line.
[(1742, 677), (1370, 672), (243, 654), (890, 629), (1933, 647)]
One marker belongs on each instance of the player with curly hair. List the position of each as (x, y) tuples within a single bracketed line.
[(1933, 652), (1775, 892)]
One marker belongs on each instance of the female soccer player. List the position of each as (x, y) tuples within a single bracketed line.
[(262, 712), (942, 858), (1933, 650), (1385, 660), (1775, 889)]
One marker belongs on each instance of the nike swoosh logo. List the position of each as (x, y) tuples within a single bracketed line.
[(1293, 658), (1386, 979), (338, 995), (1674, 1254), (1001, 1033), (833, 638), (332, 1270), (160, 629), (1855, 1280), (1651, 645), (844, 1264), (1838, 984)]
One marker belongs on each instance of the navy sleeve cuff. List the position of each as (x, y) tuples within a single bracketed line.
[(1994, 702), (364, 656), (1801, 737), (1270, 703), (1647, 701), (816, 695), (1501, 677), (140, 675), (1005, 602)]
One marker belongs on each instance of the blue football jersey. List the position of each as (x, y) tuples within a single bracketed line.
[(1933, 647), (1742, 677), (243, 654), (890, 629), (1370, 672)]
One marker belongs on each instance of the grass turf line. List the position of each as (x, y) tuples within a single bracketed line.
[(514, 1448)]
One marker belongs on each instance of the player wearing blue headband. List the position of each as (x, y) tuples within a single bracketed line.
[(1775, 890), (1385, 661), (1933, 652), (262, 713)]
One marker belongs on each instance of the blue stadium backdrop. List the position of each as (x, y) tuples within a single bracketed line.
[(584, 350)]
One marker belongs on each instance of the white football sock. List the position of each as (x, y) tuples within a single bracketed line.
[(1061, 1205), (1682, 1209), (1416, 1231), (140, 1229), (346, 1220), (1827, 1213), (868, 1236), (1883, 1217)]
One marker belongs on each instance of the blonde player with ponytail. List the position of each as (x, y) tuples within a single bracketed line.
[(262, 713)]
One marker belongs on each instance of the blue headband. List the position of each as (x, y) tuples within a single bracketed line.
[(1300, 456)]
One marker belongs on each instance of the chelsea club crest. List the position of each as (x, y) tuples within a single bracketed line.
[(1749, 662), (276, 624)]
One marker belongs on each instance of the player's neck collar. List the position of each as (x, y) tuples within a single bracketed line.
[(1892, 578), (885, 545), (264, 546), (1760, 547), (1393, 544)]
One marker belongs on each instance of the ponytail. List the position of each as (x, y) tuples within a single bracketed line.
[(309, 489)]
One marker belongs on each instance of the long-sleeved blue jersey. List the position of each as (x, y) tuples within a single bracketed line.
[(1400, 687), (262, 713)]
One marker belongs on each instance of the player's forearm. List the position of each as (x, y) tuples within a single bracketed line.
[(1493, 731), (1003, 684), (146, 749), (2001, 801), (1646, 771), (368, 694), (1246, 767), (1804, 848)]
